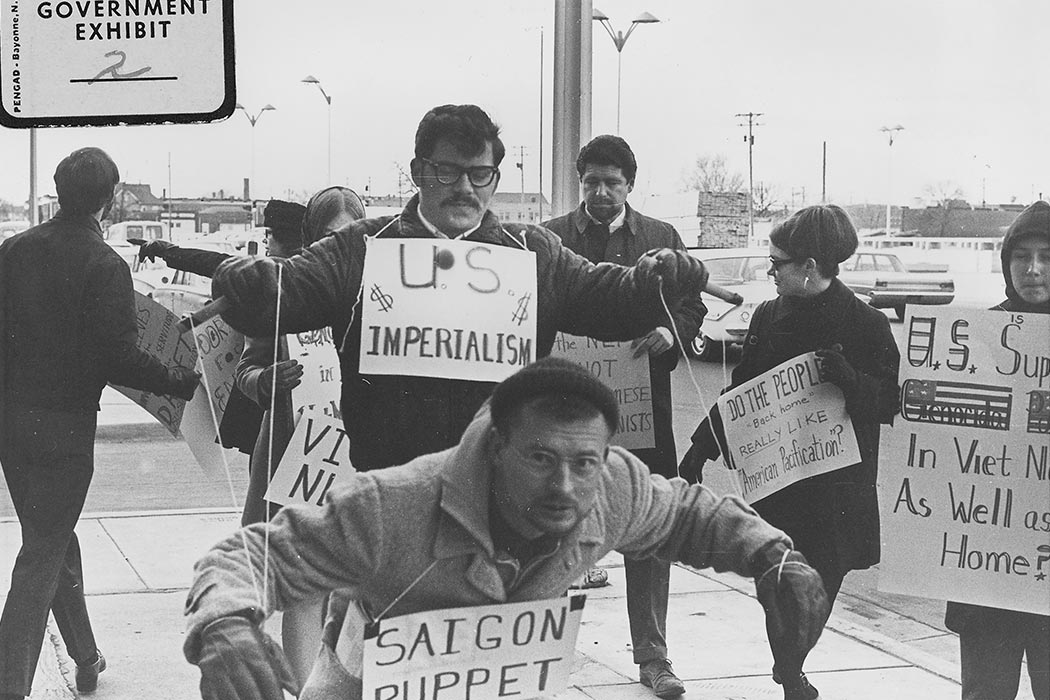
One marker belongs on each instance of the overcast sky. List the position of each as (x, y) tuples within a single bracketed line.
[(966, 78)]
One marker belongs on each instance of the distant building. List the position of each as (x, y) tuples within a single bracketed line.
[(723, 220), (957, 219), (518, 208)]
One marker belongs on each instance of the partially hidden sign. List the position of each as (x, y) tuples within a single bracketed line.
[(110, 62), (447, 308), (317, 458), (320, 386), (486, 652), (964, 472), (616, 366), (786, 425)]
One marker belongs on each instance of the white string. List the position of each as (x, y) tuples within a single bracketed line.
[(402, 594), (361, 284), (269, 451), (225, 463)]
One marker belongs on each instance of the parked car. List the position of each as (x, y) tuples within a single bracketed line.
[(10, 228), (891, 285), (187, 292)]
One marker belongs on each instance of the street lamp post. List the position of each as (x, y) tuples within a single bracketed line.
[(328, 99), (252, 120), (890, 130), (620, 40)]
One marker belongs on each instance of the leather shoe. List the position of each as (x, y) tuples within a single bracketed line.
[(800, 689), (657, 674), (87, 673)]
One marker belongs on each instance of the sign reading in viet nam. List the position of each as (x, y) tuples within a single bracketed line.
[(786, 425), (109, 62), (320, 385), (964, 473), (615, 364), (317, 458), (447, 308), (486, 652)]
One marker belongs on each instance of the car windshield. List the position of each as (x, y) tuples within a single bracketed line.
[(730, 271)]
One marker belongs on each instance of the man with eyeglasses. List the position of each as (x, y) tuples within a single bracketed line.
[(531, 497)]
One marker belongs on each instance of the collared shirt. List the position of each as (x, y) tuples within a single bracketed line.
[(437, 232), (616, 222)]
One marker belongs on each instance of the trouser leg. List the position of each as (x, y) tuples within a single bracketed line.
[(648, 586), (990, 663), (70, 608), (1037, 652)]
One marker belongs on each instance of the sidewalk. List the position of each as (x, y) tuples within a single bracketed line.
[(716, 633)]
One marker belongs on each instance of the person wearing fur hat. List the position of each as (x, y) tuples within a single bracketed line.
[(992, 641), (833, 518), (531, 497)]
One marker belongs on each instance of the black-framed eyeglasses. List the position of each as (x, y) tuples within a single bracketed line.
[(777, 263), (450, 173)]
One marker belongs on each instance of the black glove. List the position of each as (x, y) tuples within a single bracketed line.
[(835, 369), (691, 468), (680, 272), (153, 250), (182, 382), (792, 594), (239, 662)]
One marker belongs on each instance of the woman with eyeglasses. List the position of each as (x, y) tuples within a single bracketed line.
[(832, 518)]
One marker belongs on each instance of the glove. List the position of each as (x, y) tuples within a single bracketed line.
[(239, 662), (835, 369), (656, 342), (680, 273), (289, 376), (182, 382), (792, 594), (153, 250), (691, 468)]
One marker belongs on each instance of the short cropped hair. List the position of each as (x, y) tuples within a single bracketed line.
[(467, 127), (556, 387), (608, 150), (823, 232), (284, 221), (85, 180)]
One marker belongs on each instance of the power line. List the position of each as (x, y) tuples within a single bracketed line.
[(750, 141)]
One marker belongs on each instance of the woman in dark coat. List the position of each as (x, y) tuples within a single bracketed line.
[(832, 518)]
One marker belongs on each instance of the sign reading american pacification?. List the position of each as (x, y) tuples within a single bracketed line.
[(110, 62)]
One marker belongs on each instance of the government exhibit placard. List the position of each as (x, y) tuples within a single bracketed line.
[(447, 308), (628, 376), (964, 487), (108, 62), (515, 650), (786, 425)]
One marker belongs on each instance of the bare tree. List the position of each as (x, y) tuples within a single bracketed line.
[(711, 174), (944, 192), (947, 197), (765, 199)]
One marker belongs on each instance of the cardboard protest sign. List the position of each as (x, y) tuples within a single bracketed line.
[(784, 426), (320, 386), (447, 308), (317, 458), (614, 363), (964, 473), (159, 337), (478, 653)]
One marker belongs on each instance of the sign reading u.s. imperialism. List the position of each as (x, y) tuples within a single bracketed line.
[(108, 62), (964, 473), (445, 308)]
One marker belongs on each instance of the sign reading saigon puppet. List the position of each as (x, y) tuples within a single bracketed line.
[(964, 473)]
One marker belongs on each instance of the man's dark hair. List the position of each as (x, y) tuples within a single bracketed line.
[(608, 150), (284, 220), (85, 180), (467, 127), (556, 387)]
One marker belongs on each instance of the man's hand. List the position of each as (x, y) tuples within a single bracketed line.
[(183, 382), (153, 250), (836, 369), (679, 272), (289, 376), (656, 342), (239, 662), (792, 594)]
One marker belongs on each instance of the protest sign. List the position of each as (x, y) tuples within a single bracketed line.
[(786, 425), (320, 386), (477, 653), (964, 484), (447, 308), (159, 337), (615, 365), (317, 458)]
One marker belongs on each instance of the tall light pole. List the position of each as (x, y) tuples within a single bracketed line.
[(750, 138), (252, 120), (328, 99), (620, 40), (890, 130)]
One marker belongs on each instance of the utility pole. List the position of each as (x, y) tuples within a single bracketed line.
[(750, 140), (34, 217), (890, 131), (521, 167), (824, 176)]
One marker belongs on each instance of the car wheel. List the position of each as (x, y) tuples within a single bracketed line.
[(899, 308), (705, 349)]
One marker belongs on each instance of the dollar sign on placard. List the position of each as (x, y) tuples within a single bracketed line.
[(522, 312), (386, 302)]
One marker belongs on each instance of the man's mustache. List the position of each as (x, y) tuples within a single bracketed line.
[(469, 201)]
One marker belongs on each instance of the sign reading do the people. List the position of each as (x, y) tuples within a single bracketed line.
[(964, 473), (110, 62), (786, 425), (447, 308), (616, 366), (486, 652)]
